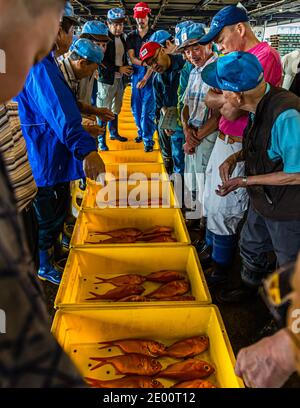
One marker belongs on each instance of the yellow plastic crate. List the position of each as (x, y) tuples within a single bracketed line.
[(131, 156), (84, 264), (142, 218), (133, 171), (79, 332), (129, 145), (144, 194)]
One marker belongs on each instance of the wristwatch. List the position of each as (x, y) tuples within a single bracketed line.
[(245, 178)]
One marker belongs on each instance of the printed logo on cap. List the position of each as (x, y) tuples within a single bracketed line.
[(177, 42), (184, 37), (144, 52)]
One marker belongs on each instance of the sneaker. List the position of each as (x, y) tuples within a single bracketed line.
[(148, 149), (138, 139), (119, 138), (49, 274)]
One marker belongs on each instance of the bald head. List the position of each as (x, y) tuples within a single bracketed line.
[(28, 29), (237, 37)]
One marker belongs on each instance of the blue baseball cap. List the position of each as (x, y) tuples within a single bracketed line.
[(160, 36), (191, 35), (225, 17), (236, 72), (69, 13), (116, 14), (183, 24), (88, 50), (96, 28)]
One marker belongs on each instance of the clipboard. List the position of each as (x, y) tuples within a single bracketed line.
[(168, 120)]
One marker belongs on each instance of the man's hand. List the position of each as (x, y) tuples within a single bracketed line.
[(94, 130), (226, 169), (142, 83), (105, 114), (267, 363), (229, 186), (169, 132), (214, 99), (126, 70), (230, 112), (190, 134), (93, 166), (188, 149)]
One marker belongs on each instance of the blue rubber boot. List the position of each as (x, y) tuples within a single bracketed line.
[(113, 130), (47, 271), (102, 139)]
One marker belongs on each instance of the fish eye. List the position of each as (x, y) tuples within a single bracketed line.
[(206, 368)]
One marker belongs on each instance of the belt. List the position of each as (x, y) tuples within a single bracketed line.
[(230, 139)]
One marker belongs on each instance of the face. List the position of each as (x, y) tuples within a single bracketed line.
[(25, 46), (169, 47), (160, 62), (231, 38), (198, 54), (102, 44), (235, 99), (84, 69), (116, 28), (142, 22), (64, 40)]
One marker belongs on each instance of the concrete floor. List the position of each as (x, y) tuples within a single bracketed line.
[(243, 322)]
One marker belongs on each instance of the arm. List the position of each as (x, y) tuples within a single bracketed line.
[(133, 59), (104, 114), (143, 82)]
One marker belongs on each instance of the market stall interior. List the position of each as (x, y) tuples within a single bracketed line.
[(160, 144)]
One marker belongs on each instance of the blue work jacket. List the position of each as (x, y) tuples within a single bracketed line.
[(51, 124)]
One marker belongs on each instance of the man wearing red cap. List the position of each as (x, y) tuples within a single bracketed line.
[(142, 101)]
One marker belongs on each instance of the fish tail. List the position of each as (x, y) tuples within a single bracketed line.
[(101, 280), (106, 344), (95, 296), (101, 362)]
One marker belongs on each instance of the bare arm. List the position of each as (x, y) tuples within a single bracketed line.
[(133, 59), (103, 113)]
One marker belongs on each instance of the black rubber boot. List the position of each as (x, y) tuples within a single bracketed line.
[(113, 130), (219, 276)]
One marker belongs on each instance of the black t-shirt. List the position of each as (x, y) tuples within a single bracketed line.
[(135, 42), (295, 87)]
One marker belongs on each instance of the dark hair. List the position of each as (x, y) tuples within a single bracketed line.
[(36, 7), (76, 57), (66, 24)]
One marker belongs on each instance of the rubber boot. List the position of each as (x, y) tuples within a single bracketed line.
[(218, 276), (113, 130), (47, 271), (102, 139)]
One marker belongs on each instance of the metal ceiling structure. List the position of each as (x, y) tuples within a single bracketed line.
[(167, 13)]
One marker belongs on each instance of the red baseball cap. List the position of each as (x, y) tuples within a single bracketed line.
[(141, 10), (148, 50)]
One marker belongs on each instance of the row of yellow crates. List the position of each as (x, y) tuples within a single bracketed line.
[(80, 324)]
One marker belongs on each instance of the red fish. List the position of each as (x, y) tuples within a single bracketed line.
[(188, 347), (190, 369), (134, 298), (130, 364), (165, 276), (115, 240), (145, 347), (175, 288), (163, 238), (195, 384), (186, 298), (131, 279), (157, 230), (137, 381), (118, 293), (129, 232)]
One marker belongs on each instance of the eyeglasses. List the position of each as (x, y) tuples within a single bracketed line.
[(153, 60)]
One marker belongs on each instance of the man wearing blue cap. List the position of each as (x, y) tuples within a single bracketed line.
[(165, 39), (199, 124), (112, 76), (231, 31), (59, 151), (142, 101), (165, 82), (270, 151), (82, 63)]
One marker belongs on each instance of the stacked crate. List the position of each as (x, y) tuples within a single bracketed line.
[(80, 324), (285, 43)]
